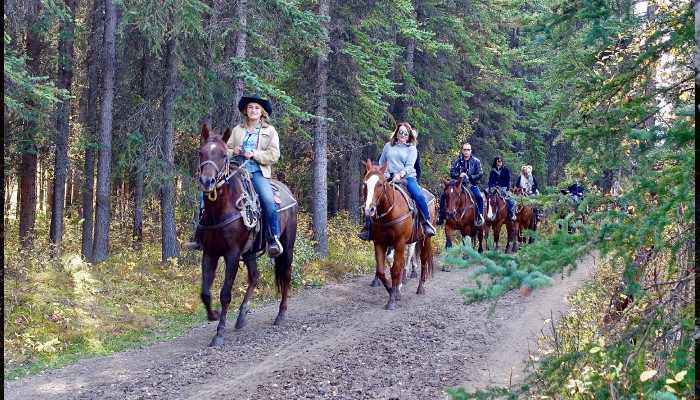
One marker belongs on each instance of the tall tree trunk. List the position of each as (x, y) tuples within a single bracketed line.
[(136, 180), (169, 235), (90, 120), (100, 245), (64, 80), (320, 162), (28, 163), (355, 178), (241, 40)]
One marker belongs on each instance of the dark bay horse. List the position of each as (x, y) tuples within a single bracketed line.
[(392, 225), (524, 219), (460, 211), (228, 228), (495, 215)]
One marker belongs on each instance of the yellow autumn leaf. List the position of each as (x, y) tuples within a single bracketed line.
[(679, 376), (670, 389), (646, 375), (595, 349)]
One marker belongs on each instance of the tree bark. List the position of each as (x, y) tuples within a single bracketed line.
[(28, 163), (241, 40), (320, 162), (64, 80), (91, 121), (100, 246), (355, 178), (169, 235)]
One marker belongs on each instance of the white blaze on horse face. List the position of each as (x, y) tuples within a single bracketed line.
[(489, 210), (371, 182), (212, 147)]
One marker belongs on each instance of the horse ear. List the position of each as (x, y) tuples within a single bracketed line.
[(383, 169), (205, 131), (445, 181), (459, 182), (227, 134), (367, 164)]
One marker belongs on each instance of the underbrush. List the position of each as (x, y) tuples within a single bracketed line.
[(58, 311), (613, 345)]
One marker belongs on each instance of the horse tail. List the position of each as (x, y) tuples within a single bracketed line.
[(429, 262)]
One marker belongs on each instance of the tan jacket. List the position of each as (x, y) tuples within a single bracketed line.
[(268, 150)]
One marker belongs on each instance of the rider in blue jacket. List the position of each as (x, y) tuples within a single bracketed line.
[(500, 177)]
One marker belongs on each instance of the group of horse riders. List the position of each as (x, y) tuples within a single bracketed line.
[(257, 144), (401, 154)]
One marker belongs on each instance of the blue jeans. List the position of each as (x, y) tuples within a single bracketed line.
[(478, 198), (577, 200), (510, 202), (417, 195), (267, 199)]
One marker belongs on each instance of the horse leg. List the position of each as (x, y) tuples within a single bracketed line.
[(449, 231), (412, 259), (208, 273), (426, 255), (252, 266), (496, 235), (396, 275), (389, 260), (225, 297), (380, 258), (533, 226)]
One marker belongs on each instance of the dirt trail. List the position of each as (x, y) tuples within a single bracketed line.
[(338, 342)]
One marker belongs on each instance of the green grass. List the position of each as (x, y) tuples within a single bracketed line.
[(59, 311)]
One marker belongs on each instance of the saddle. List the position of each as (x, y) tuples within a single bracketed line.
[(417, 229), (251, 210)]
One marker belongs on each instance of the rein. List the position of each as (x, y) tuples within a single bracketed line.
[(376, 205), (222, 175), (464, 209)]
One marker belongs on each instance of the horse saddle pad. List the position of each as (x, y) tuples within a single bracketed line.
[(283, 197), (429, 197)]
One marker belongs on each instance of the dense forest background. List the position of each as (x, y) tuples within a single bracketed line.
[(104, 101)]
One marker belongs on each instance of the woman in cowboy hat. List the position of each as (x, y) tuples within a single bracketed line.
[(258, 143)]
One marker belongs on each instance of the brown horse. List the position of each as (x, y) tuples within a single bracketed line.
[(460, 211), (495, 215), (524, 219), (392, 225), (228, 226)]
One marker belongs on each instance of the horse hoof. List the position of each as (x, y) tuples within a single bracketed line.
[(446, 268), (280, 320), (241, 322), (375, 282), (214, 315), (218, 341), (421, 290), (390, 306)]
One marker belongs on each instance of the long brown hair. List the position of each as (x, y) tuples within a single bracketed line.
[(394, 135)]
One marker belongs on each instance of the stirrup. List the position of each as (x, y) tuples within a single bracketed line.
[(274, 249), (479, 221), (192, 246)]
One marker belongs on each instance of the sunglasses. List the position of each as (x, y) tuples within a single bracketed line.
[(465, 149), (403, 133)]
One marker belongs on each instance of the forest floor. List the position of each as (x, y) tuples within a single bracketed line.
[(338, 342)]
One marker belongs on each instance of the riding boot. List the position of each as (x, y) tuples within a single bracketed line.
[(428, 228), (366, 233), (479, 219), (274, 248), (441, 210), (196, 243)]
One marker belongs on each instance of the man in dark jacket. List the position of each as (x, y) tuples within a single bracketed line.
[(468, 168), (576, 191)]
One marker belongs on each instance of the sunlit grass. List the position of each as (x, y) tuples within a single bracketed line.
[(59, 311)]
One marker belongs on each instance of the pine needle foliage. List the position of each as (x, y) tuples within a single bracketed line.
[(621, 96)]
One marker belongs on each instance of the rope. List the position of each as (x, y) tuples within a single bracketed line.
[(248, 202)]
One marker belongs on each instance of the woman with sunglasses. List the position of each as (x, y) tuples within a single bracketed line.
[(400, 154)]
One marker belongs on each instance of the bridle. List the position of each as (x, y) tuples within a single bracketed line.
[(379, 198), (222, 174), (462, 191)]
